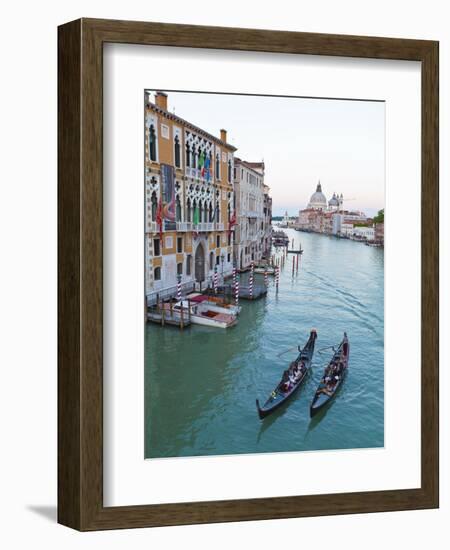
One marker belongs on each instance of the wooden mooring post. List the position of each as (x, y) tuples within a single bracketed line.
[(181, 318)]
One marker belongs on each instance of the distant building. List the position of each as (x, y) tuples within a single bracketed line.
[(251, 223), (329, 217), (364, 232), (267, 211), (318, 201)]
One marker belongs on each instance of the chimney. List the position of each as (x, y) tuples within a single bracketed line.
[(161, 100), (223, 135)]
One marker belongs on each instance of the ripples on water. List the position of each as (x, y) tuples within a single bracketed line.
[(201, 384)]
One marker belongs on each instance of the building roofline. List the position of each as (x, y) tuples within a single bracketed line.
[(172, 116), (249, 166)]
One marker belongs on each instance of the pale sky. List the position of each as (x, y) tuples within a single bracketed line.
[(341, 143)]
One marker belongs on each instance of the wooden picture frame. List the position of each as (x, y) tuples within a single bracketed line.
[(80, 272)]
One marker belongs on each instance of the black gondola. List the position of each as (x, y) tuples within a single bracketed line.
[(285, 388), (333, 377)]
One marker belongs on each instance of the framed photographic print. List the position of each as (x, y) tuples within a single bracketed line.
[(248, 274)]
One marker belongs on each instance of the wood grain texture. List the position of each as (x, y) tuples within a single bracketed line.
[(69, 249), (80, 242)]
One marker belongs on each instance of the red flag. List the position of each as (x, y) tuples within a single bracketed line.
[(232, 222)]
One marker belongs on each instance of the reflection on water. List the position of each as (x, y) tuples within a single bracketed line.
[(201, 384)]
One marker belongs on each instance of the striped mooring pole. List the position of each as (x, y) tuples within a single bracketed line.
[(179, 288), (266, 278), (215, 280), (277, 277), (236, 291), (252, 267)]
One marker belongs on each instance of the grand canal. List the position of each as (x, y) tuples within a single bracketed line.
[(201, 384)]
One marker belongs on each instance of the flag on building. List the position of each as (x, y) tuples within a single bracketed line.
[(207, 167), (196, 218)]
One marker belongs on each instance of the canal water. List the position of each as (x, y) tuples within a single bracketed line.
[(201, 384)]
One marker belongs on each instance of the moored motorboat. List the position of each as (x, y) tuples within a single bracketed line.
[(214, 301), (332, 378), (205, 314), (261, 268), (292, 378)]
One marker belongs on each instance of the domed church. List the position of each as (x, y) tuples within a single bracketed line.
[(318, 201)]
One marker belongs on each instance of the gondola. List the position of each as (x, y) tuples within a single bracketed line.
[(282, 392), (333, 377)]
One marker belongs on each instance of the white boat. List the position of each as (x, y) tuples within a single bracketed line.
[(262, 269), (213, 301), (206, 314)]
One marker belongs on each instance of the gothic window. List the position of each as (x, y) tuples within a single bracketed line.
[(188, 155), (188, 264), (217, 166), (210, 213), (229, 171), (178, 209), (217, 214), (211, 260), (154, 206), (157, 274), (177, 152), (194, 158), (152, 142), (188, 211)]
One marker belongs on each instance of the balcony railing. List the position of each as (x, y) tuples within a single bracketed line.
[(184, 226), (219, 226), (203, 226), (152, 227)]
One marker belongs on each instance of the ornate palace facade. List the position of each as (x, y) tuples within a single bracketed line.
[(189, 202)]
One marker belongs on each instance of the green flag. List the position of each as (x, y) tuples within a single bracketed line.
[(196, 220), (201, 159)]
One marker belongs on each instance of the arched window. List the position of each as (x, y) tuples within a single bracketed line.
[(195, 217), (229, 171), (200, 212), (217, 166), (188, 264), (210, 213), (229, 213), (217, 217), (178, 209), (154, 206), (152, 142), (157, 274), (211, 260), (188, 211), (194, 157), (188, 155), (177, 152)]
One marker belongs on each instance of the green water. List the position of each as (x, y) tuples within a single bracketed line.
[(201, 384)]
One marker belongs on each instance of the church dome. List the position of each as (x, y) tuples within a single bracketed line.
[(333, 201), (318, 200)]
